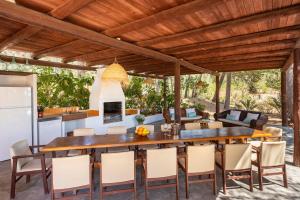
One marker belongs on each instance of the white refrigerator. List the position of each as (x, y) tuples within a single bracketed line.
[(16, 119)]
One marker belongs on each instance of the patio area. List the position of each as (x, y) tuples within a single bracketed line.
[(237, 190)]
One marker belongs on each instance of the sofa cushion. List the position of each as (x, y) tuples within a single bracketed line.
[(239, 123), (250, 116), (236, 114), (230, 117)]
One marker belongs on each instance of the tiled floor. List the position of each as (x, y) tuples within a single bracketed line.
[(237, 190)]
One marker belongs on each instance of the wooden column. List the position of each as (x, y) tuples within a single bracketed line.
[(296, 106), (177, 93), (165, 93), (283, 99), (217, 94)]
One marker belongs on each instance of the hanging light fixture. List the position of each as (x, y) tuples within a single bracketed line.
[(115, 71), (149, 81)]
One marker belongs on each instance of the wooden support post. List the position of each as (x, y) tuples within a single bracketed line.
[(177, 93), (296, 106), (283, 99), (165, 93), (217, 94)]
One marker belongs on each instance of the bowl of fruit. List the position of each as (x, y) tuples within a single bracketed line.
[(142, 131)]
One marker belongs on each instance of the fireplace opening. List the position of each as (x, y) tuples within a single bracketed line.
[(112, 112)]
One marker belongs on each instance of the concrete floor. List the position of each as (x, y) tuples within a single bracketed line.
[(273, 188)]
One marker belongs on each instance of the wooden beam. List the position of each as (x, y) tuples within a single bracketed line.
[(56, 49), (296, 106), (160, 17), (284, 116), (18, 37), (255, 18), (235, 40), (109, 52), (121, 59), (44, 63), (177, 93), (28, 16), (69, 7), (145, 75)]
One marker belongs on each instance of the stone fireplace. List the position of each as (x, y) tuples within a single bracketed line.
[(108, 98)]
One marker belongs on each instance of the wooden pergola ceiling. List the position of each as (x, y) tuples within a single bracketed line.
[(149, 37)]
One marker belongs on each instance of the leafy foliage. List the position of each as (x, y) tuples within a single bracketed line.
[(63, 89), (275, 102), (247, 104)]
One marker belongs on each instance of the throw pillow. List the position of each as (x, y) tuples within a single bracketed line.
[(191, 114), (236, 114), (230, 117), (250, 116), (190, 110)]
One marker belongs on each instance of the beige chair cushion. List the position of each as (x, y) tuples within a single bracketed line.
[(273, 153), (276, 134), (83, 131), (192, 126), (117, 167), (161, 162), (237, 156), (255, 143), (35, 165), (20, 148), (214, 125), (201, 158), (147, 126), (116, 130), (70, 172)]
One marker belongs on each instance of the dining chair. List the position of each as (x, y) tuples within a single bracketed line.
[(159, 165), (117, 169), (270, 155), (151, 130), (235, 160), (25, 163), (71, 174), (117, 130), (276, 136), (80, 132), (192, 126), (199, 161)]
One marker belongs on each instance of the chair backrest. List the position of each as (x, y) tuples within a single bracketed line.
[(276, 134), (147, 126), (20, 148), (117, 167), (201, 158), (161, 162), (237, 156), (116, 130), (214, 125), (273, 153), (83, 131), (192, 126), (70, 172)]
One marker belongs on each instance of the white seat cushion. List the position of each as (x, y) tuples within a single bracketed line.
[(35, 165), (234, 122)]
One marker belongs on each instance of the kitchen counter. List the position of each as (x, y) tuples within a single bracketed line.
[(64, 116)]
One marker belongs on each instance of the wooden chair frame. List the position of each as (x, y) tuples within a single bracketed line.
[(211, 177), (105, 185), (16, 176), (168, 178), (75, 189), (248, 174), (261, 168)]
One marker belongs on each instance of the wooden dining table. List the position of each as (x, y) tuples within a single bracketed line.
[(131, 139)]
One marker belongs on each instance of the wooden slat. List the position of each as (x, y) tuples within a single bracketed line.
[(224, 25), (177, 88), (68, 8), (45, 63), (145, 75), (28, 16), (94, 55), (18, 37), (284, 114), (234, 39), (160, 17), (56, 49)]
